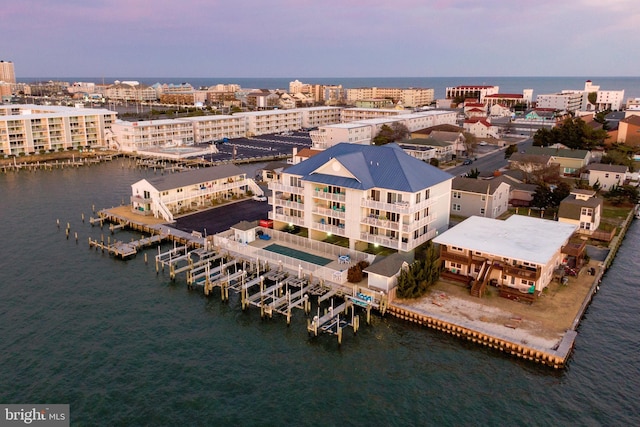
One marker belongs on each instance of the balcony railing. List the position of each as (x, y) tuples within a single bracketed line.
[(287, 218), (320, 194), (334, 229), (389, 242), (276, 186), (382, 223), (334, 213), (407, 228), (453, 256), (522, 272), (275, 201)]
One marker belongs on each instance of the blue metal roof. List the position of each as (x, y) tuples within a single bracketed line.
[(386, 166)]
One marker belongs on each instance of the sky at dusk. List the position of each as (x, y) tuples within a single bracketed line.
[(320, 38)]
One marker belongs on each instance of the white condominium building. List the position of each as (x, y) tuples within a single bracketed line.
[(26, 129), (271, 121), (367, 195), (213, 128), (143, 135), (477, 92)]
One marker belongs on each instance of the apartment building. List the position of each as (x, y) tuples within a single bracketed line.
[(36, 128), (271, 121), (358, 114), (165, 196), (407, 97), (213, 128), (143, 135), (364, 195), (563, 101), (519, 253), (130, 91), (7, 72)]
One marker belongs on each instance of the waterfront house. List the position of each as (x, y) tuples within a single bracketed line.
[(519, 254), (605, 176), (583, 209), (363, 196), (383, 273), (168, 195), (482, 197)]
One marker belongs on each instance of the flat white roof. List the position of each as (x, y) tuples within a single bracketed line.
[(519, 237)]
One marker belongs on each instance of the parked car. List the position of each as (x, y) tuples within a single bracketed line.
[(260, 198), (467, 162)]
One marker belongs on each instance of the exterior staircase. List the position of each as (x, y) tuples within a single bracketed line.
[(480, 285)]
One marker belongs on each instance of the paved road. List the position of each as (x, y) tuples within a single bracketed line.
[(491, 161)]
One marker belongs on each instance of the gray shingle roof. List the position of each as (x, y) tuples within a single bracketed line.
[(603, 167), (478, 186), (570, 207), (558, 152), (387, 167), (183, 179)]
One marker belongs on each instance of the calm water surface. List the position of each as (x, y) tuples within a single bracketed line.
[(124, 346)]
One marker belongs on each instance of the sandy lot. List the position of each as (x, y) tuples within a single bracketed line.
[(541, 324)]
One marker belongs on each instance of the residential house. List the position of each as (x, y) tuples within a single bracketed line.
[(475, 109), (500, 110), (519, 254), (365, 195), (629, 131), (605, 176), (302, 155), (383, 273), (428, 148), (481, 197), (583, 209), (532, 164), (569, 161), (165, 196), (481, 127)]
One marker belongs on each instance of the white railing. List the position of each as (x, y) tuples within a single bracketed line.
[(329, 212), (285, 203), (329, 228), (407, 228), (287, 218), (400, 207), (164, 210), (339, 197), (276, 186), (417, 242), (384, 223), (207, 191), (388, 242)]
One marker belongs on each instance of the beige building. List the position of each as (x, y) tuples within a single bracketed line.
[(7, 72), (271, 121), (218, 127), (36, 128), (583, 209), (407, 97)]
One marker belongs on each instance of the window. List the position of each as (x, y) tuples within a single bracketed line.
[(418, 196), (483, 197), (426, 194), (606, 175), (586, 211), (455, 194), (481, 211), (456, 207)]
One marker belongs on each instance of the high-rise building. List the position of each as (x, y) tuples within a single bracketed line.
[(7, 72)]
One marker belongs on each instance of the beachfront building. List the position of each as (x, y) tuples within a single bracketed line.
[(217, 127), (518, 254), (629, 130), (273, 121), (28, 129), (605, 176), (581, 208), (7, 72), (151, 134), (330, 135), (481, 197), (130, 91), (349, 115), (169, 195), (314, 117), (407, 97), (509, 99), (364, 196), (477, 92)]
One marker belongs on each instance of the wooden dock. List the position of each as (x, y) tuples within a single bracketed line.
[(126, 249), (332, 323)]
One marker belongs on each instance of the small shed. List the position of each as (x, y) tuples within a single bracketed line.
[(245, 231)]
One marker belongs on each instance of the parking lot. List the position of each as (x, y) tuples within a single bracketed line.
[(259, 146), (221, 218)]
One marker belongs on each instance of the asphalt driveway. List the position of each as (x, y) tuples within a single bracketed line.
[(219, 219)]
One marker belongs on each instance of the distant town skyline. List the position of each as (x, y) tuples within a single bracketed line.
[(405, 38)]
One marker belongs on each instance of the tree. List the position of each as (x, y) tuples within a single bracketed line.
[(511, 149), (473, 173), (619, 155), (415, 280), (573, 133), (470, 143), (396, 132), (434, 162), (542, 197), (620, 194)]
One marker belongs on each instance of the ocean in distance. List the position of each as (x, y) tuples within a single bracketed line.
[(540, 85), (125, 346)]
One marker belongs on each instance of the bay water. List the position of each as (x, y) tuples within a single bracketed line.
[(126, 346)]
